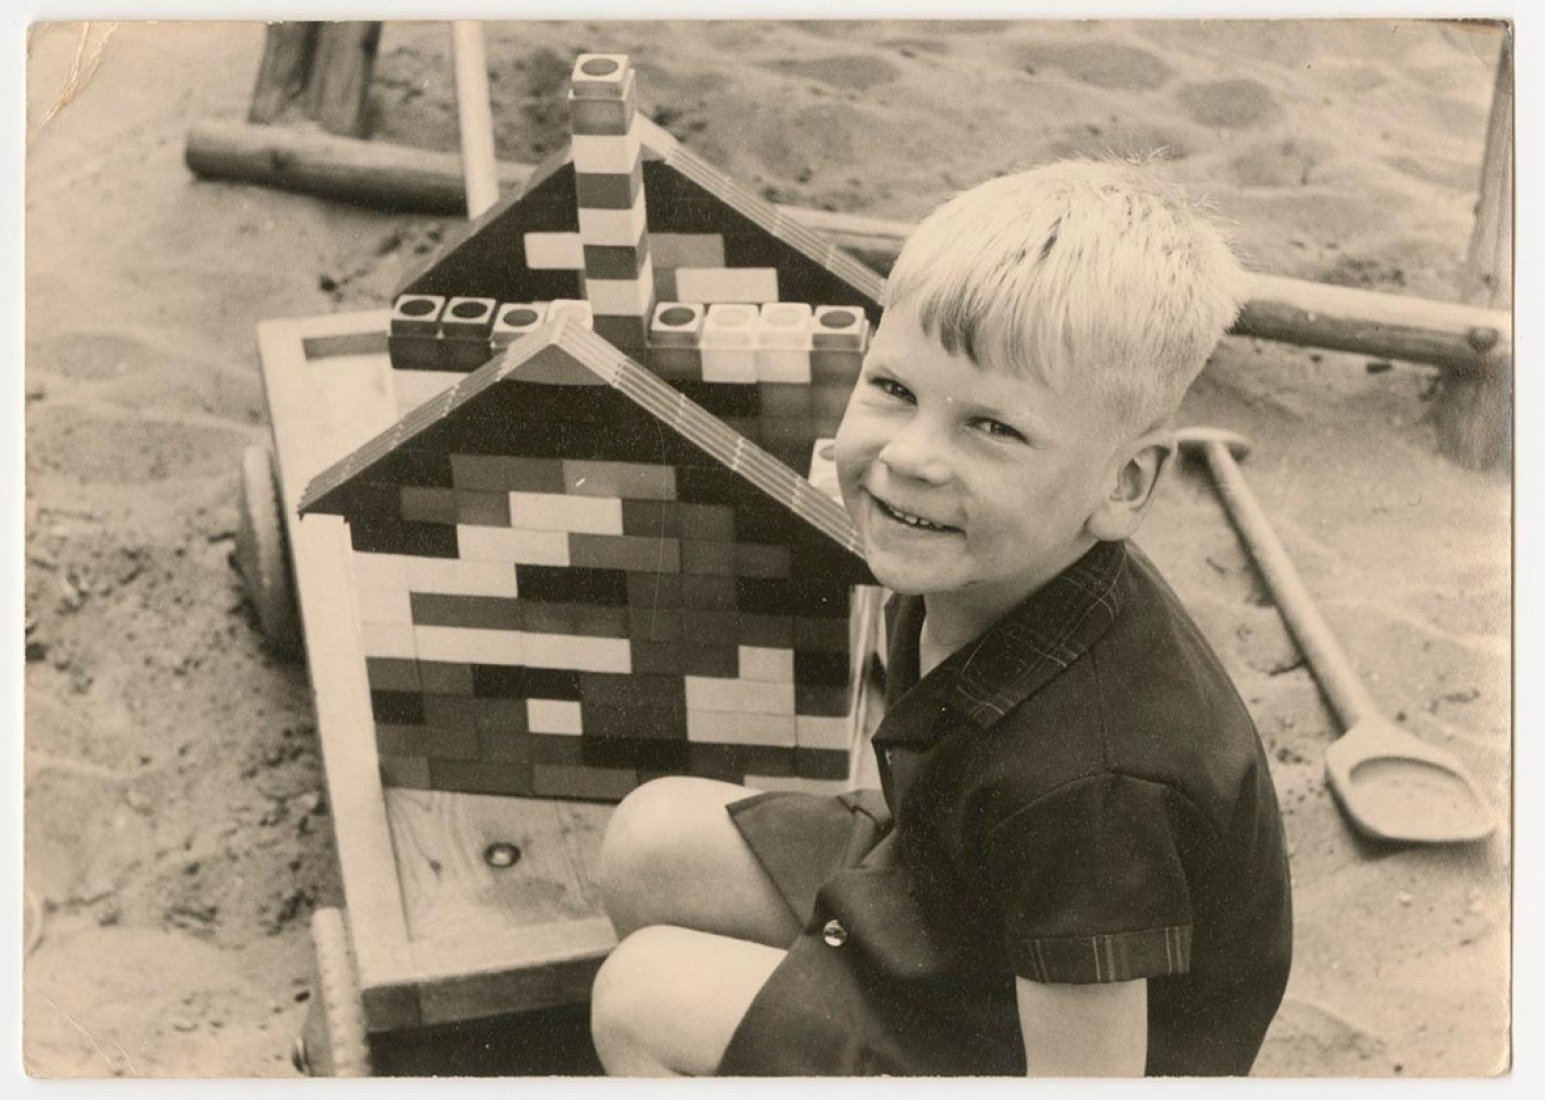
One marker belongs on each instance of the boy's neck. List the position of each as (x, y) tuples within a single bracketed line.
[(954, 618)]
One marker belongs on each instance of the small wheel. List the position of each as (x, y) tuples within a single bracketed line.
[(262, 553), (333, 1042)]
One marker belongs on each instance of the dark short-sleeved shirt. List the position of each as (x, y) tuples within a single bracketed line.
[(1077, 796)]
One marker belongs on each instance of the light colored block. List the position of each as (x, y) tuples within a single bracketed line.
[(600, 76), (387, 640), (728, 365), (730, 326), (605, 153), (740, 728), (672, 250), (784, 325), (554, 716), (380, 604), (380, 570), (800, 783), (554, 251), (560, 512), (621, 297), (773, 365), (677, 325), (764, 663), (582, 654), (839, 327), (413, 387), (727, 284), (749, 696), (821, 732), (620, 227), (510, 544), (573, 309), (471, 645), (514, 320), (461, 577), (823, 468)]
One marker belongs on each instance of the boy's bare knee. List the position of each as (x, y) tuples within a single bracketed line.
[(624, 1001)]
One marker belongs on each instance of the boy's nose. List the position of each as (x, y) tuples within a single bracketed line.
[(917, 452)]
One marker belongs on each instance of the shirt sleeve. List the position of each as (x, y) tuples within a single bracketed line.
[(1092, 884)]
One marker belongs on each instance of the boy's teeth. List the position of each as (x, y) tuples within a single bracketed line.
[(911, 520)]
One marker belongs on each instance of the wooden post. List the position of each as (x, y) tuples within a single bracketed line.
[(320, 71), (1473, 411), (475, 116)]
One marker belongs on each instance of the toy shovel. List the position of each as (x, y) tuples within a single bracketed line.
[(1391, 785)]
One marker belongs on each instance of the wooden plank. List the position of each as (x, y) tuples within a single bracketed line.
[(338, 90), (282, 74), (308, 435), (440, 839)]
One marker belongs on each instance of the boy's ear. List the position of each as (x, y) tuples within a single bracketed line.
[(1122, 510)]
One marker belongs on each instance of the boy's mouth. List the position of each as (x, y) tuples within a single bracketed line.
[(907, 519)]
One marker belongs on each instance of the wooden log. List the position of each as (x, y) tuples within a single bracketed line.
[(338, 90), (283, 73), (1472, 414), (1455, 336)]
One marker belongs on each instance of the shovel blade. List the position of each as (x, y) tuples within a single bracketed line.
[(1395, 787)]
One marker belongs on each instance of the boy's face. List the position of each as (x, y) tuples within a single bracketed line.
[(969, 485)]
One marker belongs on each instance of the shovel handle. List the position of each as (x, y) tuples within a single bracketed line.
[(1332, 668)]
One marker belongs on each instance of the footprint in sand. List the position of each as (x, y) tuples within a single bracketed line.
[(1102, 64), (1229, 104), (94, 445), (854, 72), (1279, 163)]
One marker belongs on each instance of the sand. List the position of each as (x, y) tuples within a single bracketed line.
[(177, 834)]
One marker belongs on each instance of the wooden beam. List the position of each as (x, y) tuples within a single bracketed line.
[(338, 91), (1457, 337), (284, 71)]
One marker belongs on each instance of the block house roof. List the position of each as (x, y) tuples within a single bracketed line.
[(584, 556), (573, 577)]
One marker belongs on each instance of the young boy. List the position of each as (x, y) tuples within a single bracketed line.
[(1076, 864)]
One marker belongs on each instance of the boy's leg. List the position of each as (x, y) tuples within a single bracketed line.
[(671, 855), (668, 1000)]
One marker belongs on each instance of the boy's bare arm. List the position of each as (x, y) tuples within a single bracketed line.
[(1084, 1030)]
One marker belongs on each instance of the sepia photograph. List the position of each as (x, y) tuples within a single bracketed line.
[(768, 547)]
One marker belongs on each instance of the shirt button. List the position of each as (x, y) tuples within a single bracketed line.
[(834, 934)]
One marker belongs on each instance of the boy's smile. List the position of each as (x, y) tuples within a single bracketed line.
[(969, 485)]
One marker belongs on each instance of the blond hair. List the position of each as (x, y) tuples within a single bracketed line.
[(1087, 269)]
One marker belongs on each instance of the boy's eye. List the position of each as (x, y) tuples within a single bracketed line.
[(1000, 430), (891, 388)]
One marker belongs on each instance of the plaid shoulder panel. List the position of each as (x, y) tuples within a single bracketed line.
[(1117, 957)]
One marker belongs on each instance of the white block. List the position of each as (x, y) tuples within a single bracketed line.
[(461, 577), (380, 604), (573, 652), (554, 252), (613, 155), (619, 227), (728, 364), (387, 640), (727, 284), (620, 297), (820, 732), (473, 645), (560, 512), (740, 728), (510, 544), (749, 696), (515, 319), (800, 783), (841, 327), (677, 325), (823, 468), (380, 570), (413, 387), (553, 716), (774, 365), (573, 309), (764, 663), (730, 326), (784, 325)]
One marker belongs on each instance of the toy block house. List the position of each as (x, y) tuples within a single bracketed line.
[(689, 273), (571, 578)]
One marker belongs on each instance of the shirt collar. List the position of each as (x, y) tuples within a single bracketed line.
[(1017, 656)]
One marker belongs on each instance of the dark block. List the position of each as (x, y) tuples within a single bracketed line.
[(710, 660), (813, 667), (445, 677), (557, 584), (392, 674), (397, 708)]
